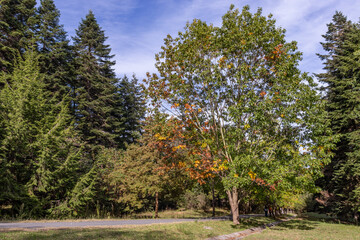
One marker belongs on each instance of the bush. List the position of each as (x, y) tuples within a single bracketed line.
[(194, 200)]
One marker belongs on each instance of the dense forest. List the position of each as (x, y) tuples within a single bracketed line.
[(228, 120)]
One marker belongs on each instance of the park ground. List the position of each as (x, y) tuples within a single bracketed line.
[(306, 226)]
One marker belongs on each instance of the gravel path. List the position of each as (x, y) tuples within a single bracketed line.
[(101, 223)]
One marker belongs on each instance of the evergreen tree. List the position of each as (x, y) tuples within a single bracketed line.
[(55, 52), (130, 111), (341, 176), (95, 85), (17, 18), (39, 157), (334, 38)]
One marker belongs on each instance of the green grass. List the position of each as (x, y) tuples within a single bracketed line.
[(179, 213), (190, 231), (310, 226), (182, 213)]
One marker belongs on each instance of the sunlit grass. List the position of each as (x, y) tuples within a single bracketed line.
[(179, 213), (189, 230), (310, 226), (183, 213)]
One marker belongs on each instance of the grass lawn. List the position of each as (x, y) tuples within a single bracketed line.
[(193, 230), (310, 226), (179, 213), (182, 213)]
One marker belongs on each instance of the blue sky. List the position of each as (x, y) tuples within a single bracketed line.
[(136, 28)]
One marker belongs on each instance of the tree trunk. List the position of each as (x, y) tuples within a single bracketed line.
[(213, 198), (234, 204), (356, 218), (156, 204)]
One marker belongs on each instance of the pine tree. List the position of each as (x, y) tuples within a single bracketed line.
[(17, 18), (95, 85), (341, 176), (55, 53), (39, 154)]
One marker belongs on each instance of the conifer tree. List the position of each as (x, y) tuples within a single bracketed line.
[(131, 111), (55, 53), (334, 37), (39, 157), (341, 178), (95, 84), (17, 18)]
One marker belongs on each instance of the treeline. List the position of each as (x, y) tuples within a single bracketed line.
[(62, 108), (72, 136), (229, 115)]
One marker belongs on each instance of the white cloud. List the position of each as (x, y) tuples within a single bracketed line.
[(136, 29)]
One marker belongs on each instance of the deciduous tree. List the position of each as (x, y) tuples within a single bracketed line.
[(247, 113)]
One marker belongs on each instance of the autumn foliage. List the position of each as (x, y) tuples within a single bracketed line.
[(238, 107)]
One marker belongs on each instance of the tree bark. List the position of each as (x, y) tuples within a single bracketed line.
[(234, 204), (156, 204), (213, 198)]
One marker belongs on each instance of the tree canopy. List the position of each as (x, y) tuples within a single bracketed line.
[(247, 112)]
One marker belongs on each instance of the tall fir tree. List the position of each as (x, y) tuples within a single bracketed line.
[(342, 79), (131, 111), (334, 38), (39, 153), (95, 85), (56, 56), (17, 19)]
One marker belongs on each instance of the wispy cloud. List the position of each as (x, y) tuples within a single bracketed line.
[(136, 28), (109, 13)]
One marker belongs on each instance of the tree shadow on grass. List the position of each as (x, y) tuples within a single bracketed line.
[(308, 221), (246, 223), (261, 222), (86, 234), (296, 224)]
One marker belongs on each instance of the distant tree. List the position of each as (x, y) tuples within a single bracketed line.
[(130, 111), (39, 152), (17, 19), (135, 177), (341, 78), (244, 109), (56, 56)]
